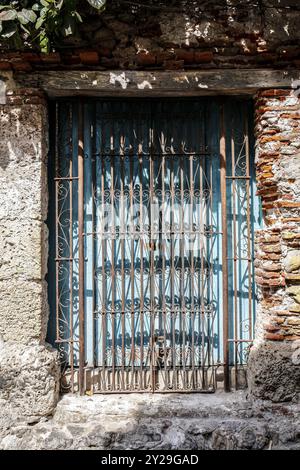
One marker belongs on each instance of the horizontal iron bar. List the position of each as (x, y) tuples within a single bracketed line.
[(151, 312), (238, 177), (66, 178), (152, 155), (65, 259), (240, 340), (152, 233), (69, 341)]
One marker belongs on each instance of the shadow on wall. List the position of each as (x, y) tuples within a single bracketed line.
[(231, 29), (274, 371)]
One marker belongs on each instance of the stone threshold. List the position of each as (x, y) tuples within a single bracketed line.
[(153, 422)]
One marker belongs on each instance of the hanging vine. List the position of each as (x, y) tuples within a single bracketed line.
[(42, 22)]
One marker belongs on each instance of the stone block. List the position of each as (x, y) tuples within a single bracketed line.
[(274, 371), (23, 135), (292, 261), (29, 379), (23, 250), (23, 310), (23, 192)]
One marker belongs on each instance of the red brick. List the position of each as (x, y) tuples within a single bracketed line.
[(290, 116), (288, 204), (173, 64), (184, 54), (31, 57), (203, 57), (89, 57), (5, 66), (274, 337), (161, 57), (271, 328), (52, 58), (22, 66), (71, 59), (271, 275), (275, 93), (105, 52), (146, 59), (276, 282)]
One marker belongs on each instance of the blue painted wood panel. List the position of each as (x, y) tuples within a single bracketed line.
[(153, 234)]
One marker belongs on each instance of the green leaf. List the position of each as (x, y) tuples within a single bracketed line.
[(36, 7), (44, 42), (79, 18), (98, 4), (1, 26), (40, 22), (8, 15), (9, 30), (27, 16)]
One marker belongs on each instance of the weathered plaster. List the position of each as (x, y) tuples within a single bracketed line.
[(29, 372)]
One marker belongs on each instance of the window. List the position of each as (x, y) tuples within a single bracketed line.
[(152, 212)]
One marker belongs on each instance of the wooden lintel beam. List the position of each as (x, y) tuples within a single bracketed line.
[(156, 83)]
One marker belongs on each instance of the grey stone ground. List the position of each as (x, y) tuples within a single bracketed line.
[(219, 421)]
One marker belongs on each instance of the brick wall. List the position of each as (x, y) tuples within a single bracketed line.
[(178, 35), (278, 245), (277, 257)]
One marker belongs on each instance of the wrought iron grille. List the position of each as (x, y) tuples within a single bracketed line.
[(152, 244)]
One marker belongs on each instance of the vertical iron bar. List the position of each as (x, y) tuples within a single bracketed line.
[(81, 244), (93, 235), (71, 258), (151, 233), (162, 242), (113, 273), (172, 280), (235, 257), (122, 241), (141, 241), (182, 276), (192, 271), (203, 209), (103, 231), (249, 251), (57, 226), (132, 229), (211, 261), (224, 250)]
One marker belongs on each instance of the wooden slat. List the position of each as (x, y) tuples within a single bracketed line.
[(156, 83)]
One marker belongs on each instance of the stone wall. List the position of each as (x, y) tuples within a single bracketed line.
[(274, 360), (179, 34), (206, 35), (28, 371), (159, 422)]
